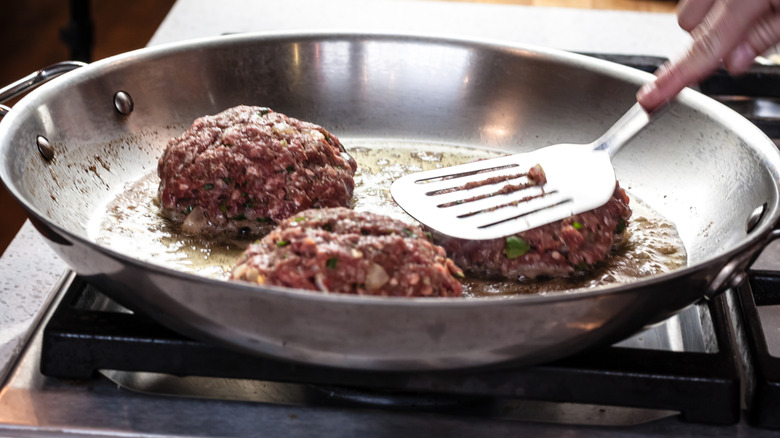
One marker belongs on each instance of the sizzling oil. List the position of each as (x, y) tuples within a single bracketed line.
[(131, 224)]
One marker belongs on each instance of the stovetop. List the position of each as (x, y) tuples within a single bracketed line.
[(703, 367), (692, 373), (88, 333)]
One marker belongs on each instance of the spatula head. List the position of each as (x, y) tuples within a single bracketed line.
[(499, 197)]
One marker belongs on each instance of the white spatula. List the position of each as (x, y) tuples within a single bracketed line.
[(495, 198)]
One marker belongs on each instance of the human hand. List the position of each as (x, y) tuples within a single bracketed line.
[(732, 31)]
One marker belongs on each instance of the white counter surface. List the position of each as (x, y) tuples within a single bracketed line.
[(29, 268), (579, 30)]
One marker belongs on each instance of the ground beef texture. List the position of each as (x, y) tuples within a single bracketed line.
[(575, 244), (339, 250), (249, 166)]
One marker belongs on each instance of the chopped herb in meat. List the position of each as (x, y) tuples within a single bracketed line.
[(621, 226), (516, 247)]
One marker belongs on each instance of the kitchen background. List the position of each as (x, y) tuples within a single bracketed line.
[(31, 32), (31, 35)]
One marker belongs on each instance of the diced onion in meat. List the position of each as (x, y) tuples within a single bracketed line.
[(194, 222), (376, 277)]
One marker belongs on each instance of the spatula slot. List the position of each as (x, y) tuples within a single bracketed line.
[(454, 176)]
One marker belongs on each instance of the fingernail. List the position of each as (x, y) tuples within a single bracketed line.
[(741, 57), (645, 90)]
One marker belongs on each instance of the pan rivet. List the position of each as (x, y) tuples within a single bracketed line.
[(737, 279), (47, 152), (755, 218), (123, 103)]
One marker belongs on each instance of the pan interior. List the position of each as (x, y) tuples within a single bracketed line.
[(132, 224)]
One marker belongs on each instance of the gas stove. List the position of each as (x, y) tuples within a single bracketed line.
[(710, 367), (120, 372), (700, 378), (90, 367)]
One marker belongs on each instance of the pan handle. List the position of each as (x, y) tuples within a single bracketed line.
[(734, 273), (33, 80)]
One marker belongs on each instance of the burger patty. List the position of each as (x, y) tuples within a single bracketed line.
[(558, 249), (343, 251), (249, 166)]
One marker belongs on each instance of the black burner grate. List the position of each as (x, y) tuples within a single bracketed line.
[(763, 290), (703, 387)]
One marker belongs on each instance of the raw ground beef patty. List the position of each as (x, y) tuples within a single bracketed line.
[(558, 249), (249, 166), (344, 251)]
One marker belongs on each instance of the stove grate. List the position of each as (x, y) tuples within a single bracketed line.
[(704, 387), (760, 294)]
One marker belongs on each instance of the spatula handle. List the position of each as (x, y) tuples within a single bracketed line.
[(626, 128)]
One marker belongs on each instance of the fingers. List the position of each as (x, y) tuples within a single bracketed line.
[(671, 78), (718, 35), (762, 37), (691, 12)]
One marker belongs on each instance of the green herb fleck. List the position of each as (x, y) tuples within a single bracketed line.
[(226, 180), (516, 247), (409, 233), (208, 186), (290, 169), (240, 217), (332, 263), (300, 219), (264, 219), (263, 111), (577, 225), (281, 243), (621, 226)]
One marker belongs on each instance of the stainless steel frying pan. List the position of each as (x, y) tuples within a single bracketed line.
[(74, 143)]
